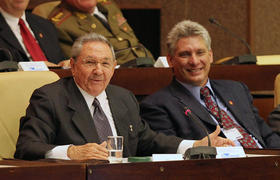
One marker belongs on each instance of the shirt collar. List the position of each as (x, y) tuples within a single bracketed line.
[(12, 20), (195, 90), (89, 98)]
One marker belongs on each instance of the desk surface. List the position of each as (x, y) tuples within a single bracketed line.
[(236, 168)]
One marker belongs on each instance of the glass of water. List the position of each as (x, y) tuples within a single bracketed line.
[(115, 148)]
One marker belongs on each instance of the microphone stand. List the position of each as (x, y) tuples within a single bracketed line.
[(244, 59), (10, 65), (199, 152)]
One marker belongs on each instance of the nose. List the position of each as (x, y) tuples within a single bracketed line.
[(194, 59), (98, 68)]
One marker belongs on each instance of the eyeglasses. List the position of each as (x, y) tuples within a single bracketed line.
[(91, 63)]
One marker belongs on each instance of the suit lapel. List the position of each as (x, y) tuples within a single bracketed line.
[(234, 105), (120, 116), (7, 34), (185, 96), (81, 118)]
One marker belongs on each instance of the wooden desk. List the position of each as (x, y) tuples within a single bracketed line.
[(145, 81), (238, 168)]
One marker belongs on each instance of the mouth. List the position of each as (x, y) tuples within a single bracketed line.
[(196, 70)]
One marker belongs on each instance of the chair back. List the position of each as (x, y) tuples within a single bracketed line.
[(16, 89), (277, 90)]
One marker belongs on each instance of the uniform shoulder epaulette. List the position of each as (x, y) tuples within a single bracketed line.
[(59, 15)]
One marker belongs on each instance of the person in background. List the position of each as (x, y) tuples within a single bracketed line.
[(72, 117), (211, 102), (74, 18), (274, 120), (25, 36)]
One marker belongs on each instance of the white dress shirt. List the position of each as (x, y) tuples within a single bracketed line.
[(12, 21)]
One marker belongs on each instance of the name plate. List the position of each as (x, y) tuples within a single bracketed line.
[(33, 66), (230, 152)]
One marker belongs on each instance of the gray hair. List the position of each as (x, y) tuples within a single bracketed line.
[(91, 37), (183, 29)]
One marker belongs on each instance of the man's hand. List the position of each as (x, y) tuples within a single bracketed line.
[(50, 64), (216, 140), (65, 64), (88, 151)]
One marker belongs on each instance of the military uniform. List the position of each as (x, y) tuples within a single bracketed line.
[(72, 24)]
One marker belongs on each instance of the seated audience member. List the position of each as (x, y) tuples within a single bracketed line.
[(25, 36), (224, 102), (274, 119), (74, 18), (72, 117)]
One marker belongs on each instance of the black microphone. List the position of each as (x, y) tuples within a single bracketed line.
[(6, 61), (199, 152), (245, 59)]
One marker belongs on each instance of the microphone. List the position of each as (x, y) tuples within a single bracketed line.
[(245, 59), (199, 152), (7, 64)]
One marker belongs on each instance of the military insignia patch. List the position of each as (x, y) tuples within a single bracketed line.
[(120, 19), (80, 15), (57, 17)]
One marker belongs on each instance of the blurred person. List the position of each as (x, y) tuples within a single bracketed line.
[(25, 36), (74, 18)]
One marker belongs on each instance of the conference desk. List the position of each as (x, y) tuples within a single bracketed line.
[(145, 81), (265, 167)]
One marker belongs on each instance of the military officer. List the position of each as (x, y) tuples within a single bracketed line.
[(74, 18)]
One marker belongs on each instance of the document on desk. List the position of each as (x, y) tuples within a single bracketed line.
[(167, 157)]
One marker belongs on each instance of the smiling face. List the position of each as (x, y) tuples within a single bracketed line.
[(83, 5), (94, 67), (191, 61), (14, 7)]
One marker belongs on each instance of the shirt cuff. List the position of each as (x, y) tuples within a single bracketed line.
[(184, 145), (59, 152)]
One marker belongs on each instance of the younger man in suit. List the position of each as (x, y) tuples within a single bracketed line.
[(13, 22), (61, 120), (214, 102)]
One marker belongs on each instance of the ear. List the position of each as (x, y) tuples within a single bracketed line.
[(211, 56), (169, 60), (72, 65)]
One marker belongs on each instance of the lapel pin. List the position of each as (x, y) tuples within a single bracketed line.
[(230, 102), (41, 35), (131, 128)]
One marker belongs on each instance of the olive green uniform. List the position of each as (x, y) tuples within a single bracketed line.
[(72, 24)]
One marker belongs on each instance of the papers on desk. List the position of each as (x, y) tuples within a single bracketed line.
[(167, 157), (222, 152)]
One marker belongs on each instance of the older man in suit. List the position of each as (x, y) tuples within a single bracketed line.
[(12, 42), (212, 102), (64, 120)]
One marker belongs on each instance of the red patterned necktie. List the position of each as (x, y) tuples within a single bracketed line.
[(101, 122), (247, 141), (30, 43)]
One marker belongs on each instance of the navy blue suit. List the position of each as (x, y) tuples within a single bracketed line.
[(164, 111), (45, 33)]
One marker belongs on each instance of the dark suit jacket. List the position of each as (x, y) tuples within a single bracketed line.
[(45, 33), (59, 115), (164, 111)]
